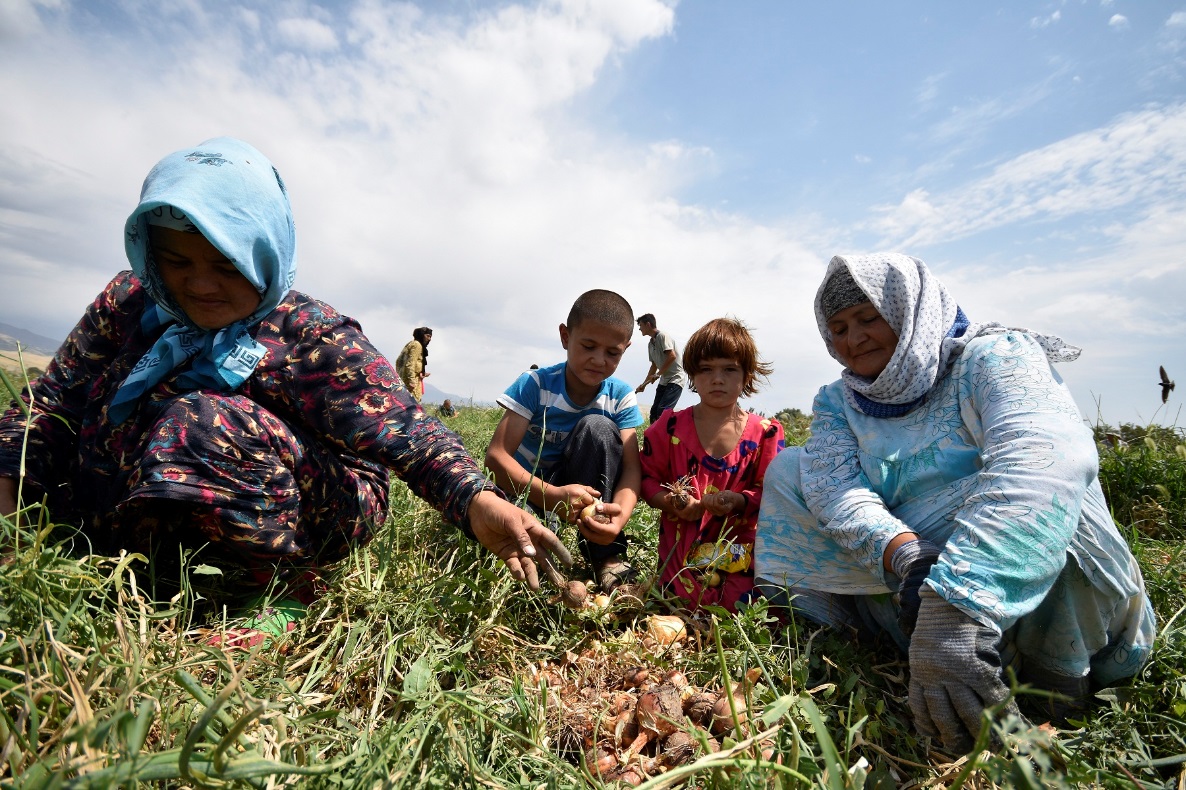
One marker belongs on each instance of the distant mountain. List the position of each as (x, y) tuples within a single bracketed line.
[(434, 395), (31, 342)]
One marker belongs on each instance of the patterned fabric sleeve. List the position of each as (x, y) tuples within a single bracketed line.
[(62, 392), (837, 491), (1012, 533), (350, 395)]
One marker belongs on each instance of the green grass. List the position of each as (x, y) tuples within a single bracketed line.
[(414, 671)]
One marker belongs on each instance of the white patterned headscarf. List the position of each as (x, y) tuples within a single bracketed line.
[(932, 330)]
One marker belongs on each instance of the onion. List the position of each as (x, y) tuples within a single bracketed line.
[(635, 677), (699, 707), (666, 629), (629, 775), (677, 679), (590, 512), (659, 711), (574, 594), (722, 712), (678, 748), (601, 759)]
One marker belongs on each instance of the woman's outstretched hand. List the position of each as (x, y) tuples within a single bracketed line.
[(955, 673), (514, 536)]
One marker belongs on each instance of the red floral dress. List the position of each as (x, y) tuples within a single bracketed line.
[(709, 562)]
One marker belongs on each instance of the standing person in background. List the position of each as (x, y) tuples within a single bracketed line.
[(412, 362), (665, 367)]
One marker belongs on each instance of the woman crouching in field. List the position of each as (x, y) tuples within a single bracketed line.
[(200, 396), (950, 464)]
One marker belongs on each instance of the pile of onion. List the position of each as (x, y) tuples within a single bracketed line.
[(630, 724)]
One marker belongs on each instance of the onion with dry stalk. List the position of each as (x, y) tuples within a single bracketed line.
[(601, 759), (682, 490), (573, 593), (658, 714)]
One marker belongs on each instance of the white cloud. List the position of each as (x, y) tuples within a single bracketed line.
[(308, 34), (928, 91), (1040, 22), (440, 177), (19, 18), (1118, 22), (977, 118), (1138, 159), (1177, 19), (435, 175)]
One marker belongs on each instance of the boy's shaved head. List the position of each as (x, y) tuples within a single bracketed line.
[(604, 307)]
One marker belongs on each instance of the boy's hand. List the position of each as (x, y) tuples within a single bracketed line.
[(514, 536), (603, 532), (722, 503), (571, 500)]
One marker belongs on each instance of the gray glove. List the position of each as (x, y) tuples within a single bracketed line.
[(955, 673), (912, 564)]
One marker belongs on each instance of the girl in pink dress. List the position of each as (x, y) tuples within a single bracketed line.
[(703, 468)]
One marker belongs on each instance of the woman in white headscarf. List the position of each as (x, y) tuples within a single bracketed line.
[(949, 464)]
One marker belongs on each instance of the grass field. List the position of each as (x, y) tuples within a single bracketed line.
[(422, 668)]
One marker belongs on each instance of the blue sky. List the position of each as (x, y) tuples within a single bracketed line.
[(475, 166)]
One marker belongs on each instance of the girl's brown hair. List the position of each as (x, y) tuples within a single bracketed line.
[(726, 338)]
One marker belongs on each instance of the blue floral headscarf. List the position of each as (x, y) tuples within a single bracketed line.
[(231, 194)]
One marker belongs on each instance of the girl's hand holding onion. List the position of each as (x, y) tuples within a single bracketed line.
[(692, 509)]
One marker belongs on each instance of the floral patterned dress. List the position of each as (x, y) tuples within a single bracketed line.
[(293, 465), (709, 562)]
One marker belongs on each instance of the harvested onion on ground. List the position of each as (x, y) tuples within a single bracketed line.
[(628, 716)]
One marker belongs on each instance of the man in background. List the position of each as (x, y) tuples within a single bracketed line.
[(665, 367)]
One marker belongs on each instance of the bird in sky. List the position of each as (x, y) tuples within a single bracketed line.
[(1166, 385)]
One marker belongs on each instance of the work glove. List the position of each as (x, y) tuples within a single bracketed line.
[(955, 673), (912, 564)]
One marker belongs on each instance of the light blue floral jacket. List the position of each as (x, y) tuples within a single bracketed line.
[(996, 466)]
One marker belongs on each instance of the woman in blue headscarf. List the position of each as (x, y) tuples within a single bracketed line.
[(950, 465), (199, 393)]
